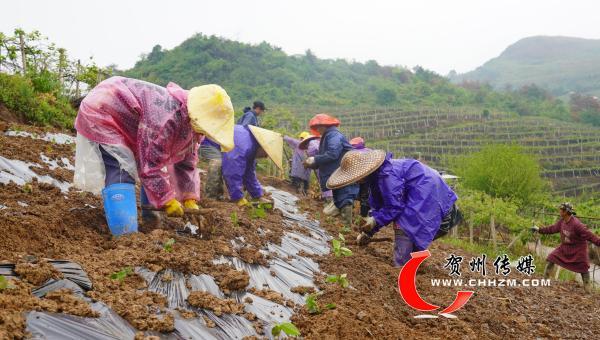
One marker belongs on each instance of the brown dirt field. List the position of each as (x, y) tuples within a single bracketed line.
[(72, 226)]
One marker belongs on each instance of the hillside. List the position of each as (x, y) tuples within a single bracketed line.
[(249, 72), (559, 64), (569, 153)]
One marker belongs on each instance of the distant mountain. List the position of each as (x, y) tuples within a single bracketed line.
[(559, 64)]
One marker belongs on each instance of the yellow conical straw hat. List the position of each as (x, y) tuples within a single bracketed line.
[(271, 142), (354, 167), (211, 114)]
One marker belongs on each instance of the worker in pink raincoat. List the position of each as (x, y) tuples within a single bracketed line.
[(129, 129), (572, 254), (311, 145)]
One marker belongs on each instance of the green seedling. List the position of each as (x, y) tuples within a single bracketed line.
[(330, 306), (345, 229), (5, 283), (234, 219), (312, 305), (27, 188), (339, 248), (260, 210), (168, 246), (287, 327), (341, 280), (121, 274)]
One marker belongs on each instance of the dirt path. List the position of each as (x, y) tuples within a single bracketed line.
[(46, 223)]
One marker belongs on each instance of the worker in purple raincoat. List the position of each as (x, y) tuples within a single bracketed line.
[(403, 191), (299, 175), (358, 144), (239, 166)]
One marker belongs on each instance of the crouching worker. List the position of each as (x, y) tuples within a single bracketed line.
[(403, 191), (572, 254), (128, 129), (239, 165), (333, 146), (298, 173)]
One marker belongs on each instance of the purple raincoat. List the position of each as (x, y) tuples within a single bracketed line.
[(298, 170), (239, 165), (411, 194)]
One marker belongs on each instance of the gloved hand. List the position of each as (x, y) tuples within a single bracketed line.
[(309, 162), (534, 229), (242, 202), (368, 224), (191, 204), (174, 208), (363, 239)]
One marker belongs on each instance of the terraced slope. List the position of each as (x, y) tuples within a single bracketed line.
[(569, 153)]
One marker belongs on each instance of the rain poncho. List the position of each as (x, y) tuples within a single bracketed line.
[(412, 195), (333, 146), (144, 126), (298, 170), (239, 165), (248, 118)]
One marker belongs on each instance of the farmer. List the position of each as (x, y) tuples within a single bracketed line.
[(403, 191), (572, 253), (333, 146), (298, 173), (239, 165), (311, 145), (250, 117), (128, 129), (358, 144), (210, 152)]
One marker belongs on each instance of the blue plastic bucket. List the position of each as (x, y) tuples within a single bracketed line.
[(120, 208)]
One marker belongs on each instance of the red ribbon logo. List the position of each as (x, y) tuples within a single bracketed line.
[(407, 286)]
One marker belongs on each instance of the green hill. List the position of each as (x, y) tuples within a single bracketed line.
[(265, 72), (559, 64)]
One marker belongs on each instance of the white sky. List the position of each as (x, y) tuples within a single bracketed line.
[(438, 34)]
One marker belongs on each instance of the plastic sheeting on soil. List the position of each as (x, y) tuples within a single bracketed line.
[(19, 172), (290, 270), (58, 138)]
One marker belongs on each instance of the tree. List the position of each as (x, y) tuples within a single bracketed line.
[(503, 171)]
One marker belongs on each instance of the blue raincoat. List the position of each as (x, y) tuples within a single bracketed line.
[(333, 146), (239, 165), (248, 118), (412, 195)]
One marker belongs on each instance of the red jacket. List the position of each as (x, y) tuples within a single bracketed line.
[(572, 253)]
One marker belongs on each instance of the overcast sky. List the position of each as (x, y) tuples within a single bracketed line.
[(438, 34)]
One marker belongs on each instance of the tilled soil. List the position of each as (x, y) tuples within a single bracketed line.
[(72, 226)]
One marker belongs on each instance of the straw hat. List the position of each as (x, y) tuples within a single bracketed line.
[(304, 143), (354, 167), (271, 142), (211, 114)]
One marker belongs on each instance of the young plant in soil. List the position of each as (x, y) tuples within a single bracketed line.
[(260, 210), (341, 280), (339, 248), (121, 274), (234, 219), (168, 246), (4, 283), (312, 305), (345, 229), (286, 327)]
